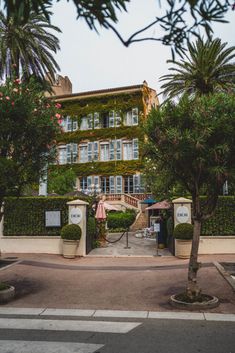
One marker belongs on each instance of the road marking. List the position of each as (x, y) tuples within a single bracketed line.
[(219, 317), (68, 312), (21, 311), (46, 347), (121, 313), (68, 325), (175, 315)]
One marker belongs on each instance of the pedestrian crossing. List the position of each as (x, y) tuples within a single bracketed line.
[(47, 347), (68, 325), (60, 325)]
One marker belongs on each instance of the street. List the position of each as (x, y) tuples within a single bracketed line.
[(33, 334)]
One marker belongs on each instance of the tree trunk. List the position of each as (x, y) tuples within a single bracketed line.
[(193, 289)]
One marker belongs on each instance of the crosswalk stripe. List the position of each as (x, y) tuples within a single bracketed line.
[(47, 347), (68, 325)]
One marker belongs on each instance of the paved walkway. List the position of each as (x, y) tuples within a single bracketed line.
[(126, 283), (131, 246)]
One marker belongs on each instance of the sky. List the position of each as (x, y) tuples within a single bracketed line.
[(99, 61)]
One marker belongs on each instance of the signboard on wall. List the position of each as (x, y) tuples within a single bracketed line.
[(53, 218), (75, 215), (182, 214)]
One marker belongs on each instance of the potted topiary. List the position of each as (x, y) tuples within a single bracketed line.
[(183, 234), (71, 234)]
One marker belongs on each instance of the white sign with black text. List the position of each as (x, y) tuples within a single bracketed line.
[(75, 215)]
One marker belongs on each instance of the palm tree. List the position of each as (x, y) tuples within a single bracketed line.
[(27, 48), (207, 69)]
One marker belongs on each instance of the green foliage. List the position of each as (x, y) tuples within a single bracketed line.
[(102, 168), (192, 145), (180, 20), (98, 134), (91, 227), (28, 126), (27, 49), (26, 215), (71, 232), (208, 68), (183, 231), (61, 183), (4, 286), (223, 220), (120, 220)]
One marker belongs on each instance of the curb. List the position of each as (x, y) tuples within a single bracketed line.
[(225, 274), (114, 314)]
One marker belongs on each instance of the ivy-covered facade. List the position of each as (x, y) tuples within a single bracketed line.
[(102, 137)]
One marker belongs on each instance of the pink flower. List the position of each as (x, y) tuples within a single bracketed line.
[(13, 103), (7, 98), (57, 116), (58, 105), (15, 90), (17, 81)]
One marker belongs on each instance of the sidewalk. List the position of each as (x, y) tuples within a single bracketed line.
[(137, 284)]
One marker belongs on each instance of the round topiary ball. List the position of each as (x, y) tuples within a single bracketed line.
[(71, 232), (183, 231)]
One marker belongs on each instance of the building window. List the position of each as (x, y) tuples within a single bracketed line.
[(118, 150), (118, 184), (104, 184), (128, 184), (127, 151), (104, 152), (68, 124), (95, 151), (72, 152), (83, 155), (135, 149), (111, 150), (62, 155), (114, 118), (96, 120), (131, 117)]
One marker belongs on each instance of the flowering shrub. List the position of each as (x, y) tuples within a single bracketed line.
[(28, 127)]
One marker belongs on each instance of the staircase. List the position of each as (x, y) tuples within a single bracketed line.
[(141, 222)]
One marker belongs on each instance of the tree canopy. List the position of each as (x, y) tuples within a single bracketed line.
[(191, 144), (207, 67), (27, 48), (28, 127), (175, 22)]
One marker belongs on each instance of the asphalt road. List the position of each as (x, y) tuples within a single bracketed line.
[(27, 334)]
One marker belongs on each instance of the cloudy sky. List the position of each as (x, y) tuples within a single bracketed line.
[(93, 61)]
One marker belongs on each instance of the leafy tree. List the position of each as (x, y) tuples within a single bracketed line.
[(28, 127), (27, 48), (178, 19), (192, 145), (61, 182), (206, 68)]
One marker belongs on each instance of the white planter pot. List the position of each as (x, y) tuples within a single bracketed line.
[(69, 248), (183, 248)]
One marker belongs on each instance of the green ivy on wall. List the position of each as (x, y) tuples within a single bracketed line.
[(127, 132), (103, 168), (119, 102)]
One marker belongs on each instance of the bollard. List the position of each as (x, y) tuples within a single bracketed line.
[(127, 245)]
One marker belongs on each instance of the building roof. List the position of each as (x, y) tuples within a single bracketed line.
[(163, 205), (101, 92)]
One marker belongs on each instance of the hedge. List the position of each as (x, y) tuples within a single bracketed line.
[(223, 221), (26, 215), (120, 220)]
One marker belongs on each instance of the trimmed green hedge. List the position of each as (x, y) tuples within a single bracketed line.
[(120, 220), (223, 221), (26, 215)]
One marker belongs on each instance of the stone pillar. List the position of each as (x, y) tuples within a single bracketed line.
[(78, 215), (182, 211)]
